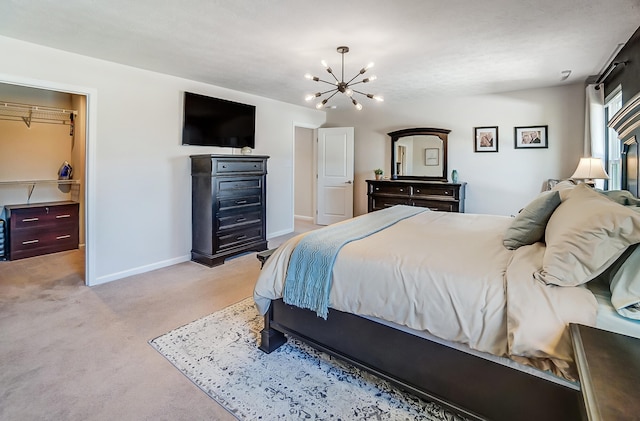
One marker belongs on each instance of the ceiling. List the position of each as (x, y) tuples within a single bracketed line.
[(421, 48)]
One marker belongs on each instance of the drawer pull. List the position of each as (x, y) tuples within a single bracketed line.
[(241, 202), (63, 216), (401, 189), (62, 237), (241, 219), (447, 192), (241, 237), (30, 219), (31, 242)]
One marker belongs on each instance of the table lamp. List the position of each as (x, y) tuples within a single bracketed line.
[(590, 169)]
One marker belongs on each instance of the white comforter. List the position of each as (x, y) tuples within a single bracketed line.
[(450, 275)]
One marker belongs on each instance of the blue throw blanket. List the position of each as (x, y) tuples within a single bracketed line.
[(308, 280)]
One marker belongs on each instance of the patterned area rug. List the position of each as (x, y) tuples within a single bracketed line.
[(219, 354)]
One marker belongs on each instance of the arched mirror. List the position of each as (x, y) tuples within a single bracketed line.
[(419, 153)]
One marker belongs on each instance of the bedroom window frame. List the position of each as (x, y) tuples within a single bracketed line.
[(612, 104)]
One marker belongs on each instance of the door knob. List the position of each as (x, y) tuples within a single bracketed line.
[(348, 182)]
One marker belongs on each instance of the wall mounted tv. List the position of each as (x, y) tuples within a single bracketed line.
[(216, 122)]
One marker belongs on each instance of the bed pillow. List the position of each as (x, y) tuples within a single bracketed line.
[(622, 196), (623, 278), (528, 226), (564, 188), (586, 231)]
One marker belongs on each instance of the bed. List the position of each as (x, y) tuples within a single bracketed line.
[(488, 336)]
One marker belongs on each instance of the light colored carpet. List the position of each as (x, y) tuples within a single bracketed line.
[(219, 354)]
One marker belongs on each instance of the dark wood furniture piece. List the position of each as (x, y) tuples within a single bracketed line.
[(42, 228), (419, 154), (435, 195), (472, 386), (609, 369), (263, 256), (228, 206)]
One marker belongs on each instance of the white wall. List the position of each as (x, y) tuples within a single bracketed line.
[(498, 183), (141, 198)]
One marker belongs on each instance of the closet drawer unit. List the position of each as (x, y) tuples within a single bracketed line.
[(239, 165), (42, 228)]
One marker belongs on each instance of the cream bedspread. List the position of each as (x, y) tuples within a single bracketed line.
[(449, 274)]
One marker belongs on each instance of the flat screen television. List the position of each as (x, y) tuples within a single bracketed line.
[(217, 122)]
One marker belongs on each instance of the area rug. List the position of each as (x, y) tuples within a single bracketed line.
[(219, 354)]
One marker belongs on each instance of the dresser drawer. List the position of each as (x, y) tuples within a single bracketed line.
[(228, 203), (43, 216), (237, 238), (435, 190), (239, 219), (231, 186), (438, 205), (34, 242), (223, 166), (382, 202), (403, 190)]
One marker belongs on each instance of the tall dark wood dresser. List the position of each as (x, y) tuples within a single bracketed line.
[(228, 206)]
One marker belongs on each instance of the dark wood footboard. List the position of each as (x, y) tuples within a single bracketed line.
[(472, 386)]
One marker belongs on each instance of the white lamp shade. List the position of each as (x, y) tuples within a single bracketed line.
[(590, 169)]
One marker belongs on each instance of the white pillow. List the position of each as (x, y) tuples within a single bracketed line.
[(586, 231)]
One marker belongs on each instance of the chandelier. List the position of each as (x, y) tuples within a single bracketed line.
[(339, 85)]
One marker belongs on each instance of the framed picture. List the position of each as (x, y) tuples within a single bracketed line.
[(531, 137), (431, 157), (485, 139)]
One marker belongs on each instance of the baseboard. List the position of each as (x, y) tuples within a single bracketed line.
[(279, 233), (303, 218), (141, 269)]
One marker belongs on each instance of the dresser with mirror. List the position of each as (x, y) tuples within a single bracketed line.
[(418, 173)]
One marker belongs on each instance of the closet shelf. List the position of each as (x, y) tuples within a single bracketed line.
[(31, 184), (36, 114)]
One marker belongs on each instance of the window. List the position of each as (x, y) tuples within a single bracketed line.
[(612, 105)]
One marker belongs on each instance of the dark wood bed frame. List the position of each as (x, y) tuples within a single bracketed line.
[(469, 385)]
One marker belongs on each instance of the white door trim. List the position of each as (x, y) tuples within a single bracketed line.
[(90, 158)]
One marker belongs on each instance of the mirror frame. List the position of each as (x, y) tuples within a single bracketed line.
[(429, 131)]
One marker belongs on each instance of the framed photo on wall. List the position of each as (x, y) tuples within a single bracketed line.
[(531, 137), (485, 139)]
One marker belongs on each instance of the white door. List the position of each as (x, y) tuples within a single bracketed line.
[(335, 175)]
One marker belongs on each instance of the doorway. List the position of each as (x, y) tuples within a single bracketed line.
[(83, 129)]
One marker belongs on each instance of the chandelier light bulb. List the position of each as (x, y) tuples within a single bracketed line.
[(324, 64), (308, 76), (370, 65), (378, 98), (370, 78), (309, 97), (348, 93)]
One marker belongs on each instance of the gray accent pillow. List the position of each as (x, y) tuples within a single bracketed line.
[(529, 225)]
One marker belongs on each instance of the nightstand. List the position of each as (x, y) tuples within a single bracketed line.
[(609, 369)]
